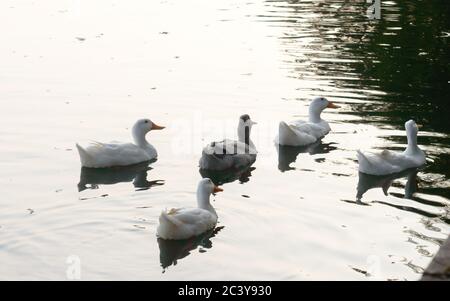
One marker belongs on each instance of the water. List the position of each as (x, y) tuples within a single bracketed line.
[(78, 70)]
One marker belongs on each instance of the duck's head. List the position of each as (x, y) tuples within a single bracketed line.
[(411, 134), (411, 131), (206, 186), (244, 128), (143, 126), (244, 120), (321, 103), (318, 104), (411, 127)]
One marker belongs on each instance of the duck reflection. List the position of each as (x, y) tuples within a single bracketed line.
[(220, 177), (170, 251), (91, 178), (367, 182), (288, 154)]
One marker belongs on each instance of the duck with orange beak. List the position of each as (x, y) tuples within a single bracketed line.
[(300, 132), (184, 223), (101, 155)]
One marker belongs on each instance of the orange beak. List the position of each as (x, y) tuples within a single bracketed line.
[(157, 127), (217, 189), (332, 105)]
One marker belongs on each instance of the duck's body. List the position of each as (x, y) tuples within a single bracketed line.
[(388, 162), (227, 154), (231, 154), (184, 223), (300, 132), (100, 155)]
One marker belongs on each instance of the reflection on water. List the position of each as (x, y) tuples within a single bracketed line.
[(91, 178), (220, 177), (170, 251), (367, 182), (417, 211), (288, 154)]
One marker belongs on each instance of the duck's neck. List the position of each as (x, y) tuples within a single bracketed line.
[(412, 142), (139, 137), (203, 202), (314, 114), (244, 135), (139, 140)]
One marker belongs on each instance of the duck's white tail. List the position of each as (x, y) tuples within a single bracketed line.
[(168, 226), (362, 158), (364, 164), (286, 135), (166, 219), (84, 156)]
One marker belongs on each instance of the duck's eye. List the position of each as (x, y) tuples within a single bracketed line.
[(146, 121)]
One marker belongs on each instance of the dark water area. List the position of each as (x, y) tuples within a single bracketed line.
[(404, 55)]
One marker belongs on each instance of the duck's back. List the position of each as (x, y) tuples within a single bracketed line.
[(317, 130)]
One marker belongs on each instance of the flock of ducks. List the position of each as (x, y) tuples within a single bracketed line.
[(185, 223)]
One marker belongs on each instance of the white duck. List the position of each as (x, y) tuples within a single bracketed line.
[(388, 162), (299, 132), (100, 155), (184, 223), (227, 154)]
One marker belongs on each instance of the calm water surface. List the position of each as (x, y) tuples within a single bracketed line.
[(78, 70)]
